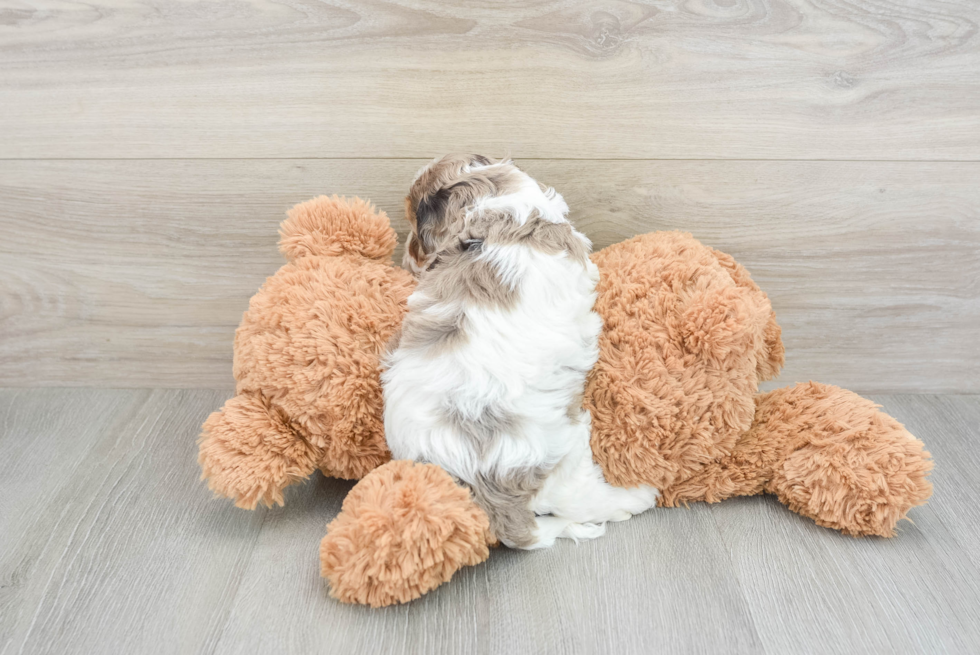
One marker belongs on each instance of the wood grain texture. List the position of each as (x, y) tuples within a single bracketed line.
[(109, 543), (886, 595), (136, 273), (772, 79), (571, 599), (942, 421)]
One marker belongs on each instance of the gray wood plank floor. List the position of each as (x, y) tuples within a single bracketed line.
[(110, 543)]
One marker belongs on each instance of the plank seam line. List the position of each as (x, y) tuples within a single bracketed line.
[(596, 159)]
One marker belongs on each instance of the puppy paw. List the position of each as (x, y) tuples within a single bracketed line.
[(579, 531)]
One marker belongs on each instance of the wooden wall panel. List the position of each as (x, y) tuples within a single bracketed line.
[(136, 273), (694, 79)]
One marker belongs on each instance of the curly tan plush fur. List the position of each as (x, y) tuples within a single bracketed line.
[(249, 452), (827, 454), (307, 355), (688, 336), (403, 530)]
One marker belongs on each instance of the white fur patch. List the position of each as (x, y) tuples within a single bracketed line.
[(529, 361)]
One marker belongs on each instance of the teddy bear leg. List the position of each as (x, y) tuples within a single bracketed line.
[(839, 460), (249, 453), (743, 472), (403, 530)]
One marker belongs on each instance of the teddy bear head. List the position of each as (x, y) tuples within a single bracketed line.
[(307, 354)]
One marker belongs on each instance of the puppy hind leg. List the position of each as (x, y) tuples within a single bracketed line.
[(550, 528), (506, 498), (578, 491), (547, 529), (516, 525), (581, 531)]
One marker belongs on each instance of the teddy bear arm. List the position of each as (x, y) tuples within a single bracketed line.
[(404, 529), (248, 452)]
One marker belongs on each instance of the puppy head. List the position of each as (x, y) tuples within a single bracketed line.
[(447, 190)]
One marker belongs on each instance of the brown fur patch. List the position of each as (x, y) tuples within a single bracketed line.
[(457, 277), (775, 355), (250, 452), (459, 274), (505, 499), (679, 359), (483, 431), (427, 330), (329, 227), (828, 454)]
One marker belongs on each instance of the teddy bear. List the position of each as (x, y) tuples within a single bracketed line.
[(687, 338)]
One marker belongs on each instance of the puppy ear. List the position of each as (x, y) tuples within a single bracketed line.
[(414, 250), (430, 214), (439, 193), (432, 209)]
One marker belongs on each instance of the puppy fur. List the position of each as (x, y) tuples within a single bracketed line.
[(487, 375)]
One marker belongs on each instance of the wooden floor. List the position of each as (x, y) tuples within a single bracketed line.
[(109, 543)]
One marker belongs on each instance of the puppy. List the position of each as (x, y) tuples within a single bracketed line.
[(487, 376)]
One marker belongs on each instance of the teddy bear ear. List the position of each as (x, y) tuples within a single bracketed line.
[(332, 226)]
